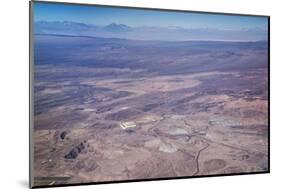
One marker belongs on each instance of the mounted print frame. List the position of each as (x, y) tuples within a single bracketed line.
[(126, 94)]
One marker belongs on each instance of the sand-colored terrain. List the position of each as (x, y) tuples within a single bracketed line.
[(110, 127)]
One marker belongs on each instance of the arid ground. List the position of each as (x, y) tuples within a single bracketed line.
[(114, 109)]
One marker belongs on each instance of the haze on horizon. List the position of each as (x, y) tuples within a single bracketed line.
[(147, 24)]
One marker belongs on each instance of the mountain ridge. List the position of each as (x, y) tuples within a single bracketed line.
[(117, 30)]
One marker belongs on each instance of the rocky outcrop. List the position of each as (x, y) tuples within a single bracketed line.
[(74, 152), (63, 135)]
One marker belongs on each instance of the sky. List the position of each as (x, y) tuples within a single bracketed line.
[(232, 27), (138, 17)]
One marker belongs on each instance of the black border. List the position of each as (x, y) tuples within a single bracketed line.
[(136, 180)]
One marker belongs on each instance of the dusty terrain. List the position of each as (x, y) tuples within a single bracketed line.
[(125, 110)]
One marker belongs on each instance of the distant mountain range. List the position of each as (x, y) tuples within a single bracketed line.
[(149, 33), (70, 27), (117, 28)]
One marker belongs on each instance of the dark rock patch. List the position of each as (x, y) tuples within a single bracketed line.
[(245, 156), (150, 107), (74, 152), (63, 135)]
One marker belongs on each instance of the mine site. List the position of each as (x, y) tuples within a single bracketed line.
[(117, 109)]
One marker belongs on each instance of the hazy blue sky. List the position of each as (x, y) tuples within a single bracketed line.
[(135, 17)]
